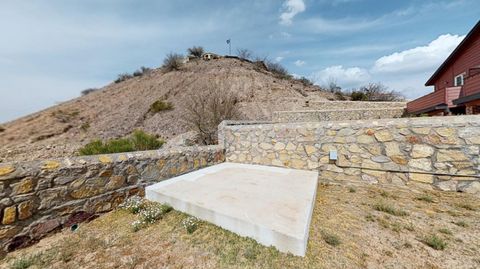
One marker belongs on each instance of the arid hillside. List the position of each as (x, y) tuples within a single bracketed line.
[(119, 108)]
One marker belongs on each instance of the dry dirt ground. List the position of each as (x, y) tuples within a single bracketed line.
[(352, 227), (117, 109)]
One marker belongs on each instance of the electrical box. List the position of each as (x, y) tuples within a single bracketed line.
[(333, 155)]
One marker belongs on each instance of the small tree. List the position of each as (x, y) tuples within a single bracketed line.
[(207, 108), (379, 92), (244, 54), (196, 51), (88, 91), (305, 81), (173, 61), (278, 70), (123, 77)]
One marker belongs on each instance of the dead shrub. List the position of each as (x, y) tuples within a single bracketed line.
[(207, 108), (196, 51), (173, 61)]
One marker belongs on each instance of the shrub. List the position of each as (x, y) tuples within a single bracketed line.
[(461, 223), (88, 91), (339, 96), (123, 77), (330, 238), (143, 141), (133, 204), (376, 92), (138, 141), (160, 105), (358, 96), (85, 126), (190, 224), (305, 81), (445, 231), (245, 54), (389, 209), (172, 61), (196, 51), (207, 108), (2, 129), (153, 212), (142, 71), (435, 242), (466, 206), (426, 198), (278, 70)]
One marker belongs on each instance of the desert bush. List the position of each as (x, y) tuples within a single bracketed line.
[(305, 81), (330, 238), (376, 92), (339, 96), (426, 198), (142, 71), (172, 61), (245, 54), (278, 70), (160, 105), (143, 141), (196, 51), (122, 77), (2, 129), (190, 224), (85, 126), (138, 141), (88, 91), (389, 209), (358, 96), (435, 242), (207, 108)]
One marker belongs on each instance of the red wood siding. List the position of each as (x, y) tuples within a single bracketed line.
[(472, 85), (466, 59), (439, 97)]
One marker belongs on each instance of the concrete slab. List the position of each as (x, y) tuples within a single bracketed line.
[(269, 204)]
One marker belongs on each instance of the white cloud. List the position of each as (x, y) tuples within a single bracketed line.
[(420, 58), (278, 59), (299, 63), (345, 77), (405, 71), (291, 9)]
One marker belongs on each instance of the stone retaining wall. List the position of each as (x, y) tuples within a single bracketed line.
[(440, 151), (336, 115), (339, 105), (37, 198)]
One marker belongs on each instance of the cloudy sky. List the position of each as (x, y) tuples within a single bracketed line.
[(50, 50)]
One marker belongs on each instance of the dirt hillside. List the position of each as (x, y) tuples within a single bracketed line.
[(119, 108)]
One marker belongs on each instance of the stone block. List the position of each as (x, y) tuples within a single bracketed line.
[(421, 151), (9, 215)]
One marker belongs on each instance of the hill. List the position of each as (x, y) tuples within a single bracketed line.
[(119, 108)]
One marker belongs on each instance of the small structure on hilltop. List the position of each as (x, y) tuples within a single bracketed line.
[(456, 82), (210, 56)]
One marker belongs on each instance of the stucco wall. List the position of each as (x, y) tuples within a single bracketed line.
[(37, 198), (335, 115), (440, 151)]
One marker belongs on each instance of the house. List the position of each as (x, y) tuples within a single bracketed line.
[(456, 82)]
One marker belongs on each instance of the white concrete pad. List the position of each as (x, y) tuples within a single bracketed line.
[(269, 204)]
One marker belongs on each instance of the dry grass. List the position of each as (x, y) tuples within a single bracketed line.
[(346, 232)]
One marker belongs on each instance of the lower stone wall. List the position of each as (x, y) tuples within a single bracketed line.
[(336, 115), (37, 198), (441, 151)]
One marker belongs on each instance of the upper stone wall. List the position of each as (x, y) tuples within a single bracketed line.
[(336, 115), (340, 105), (39, 197), (440, 151)]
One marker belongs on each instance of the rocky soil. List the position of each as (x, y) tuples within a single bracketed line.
[(352, 227), (119, 108)]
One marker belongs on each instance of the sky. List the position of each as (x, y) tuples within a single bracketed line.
[(51, 50)]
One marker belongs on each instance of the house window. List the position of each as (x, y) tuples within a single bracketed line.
[(459, 80)]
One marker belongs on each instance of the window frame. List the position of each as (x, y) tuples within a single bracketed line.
[(462, 75)]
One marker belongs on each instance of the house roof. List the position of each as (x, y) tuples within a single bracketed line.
[(453, 55)]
